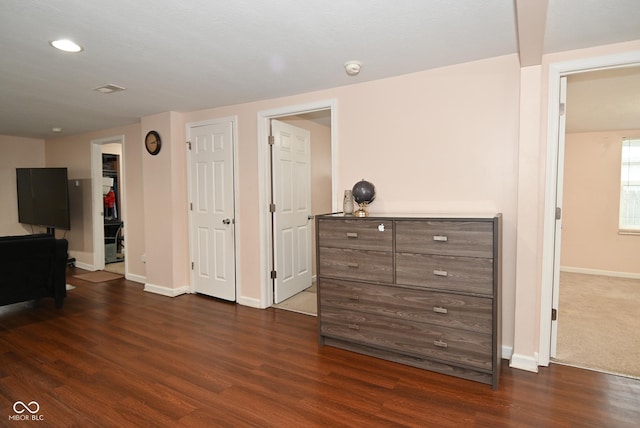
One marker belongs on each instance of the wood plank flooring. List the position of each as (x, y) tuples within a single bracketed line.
[(116, 356)]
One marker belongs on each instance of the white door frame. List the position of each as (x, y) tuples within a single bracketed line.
[(236, 226), (264, 177), (554, 169), (96, 197)]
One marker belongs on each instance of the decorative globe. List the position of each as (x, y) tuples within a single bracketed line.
[(364, 193)]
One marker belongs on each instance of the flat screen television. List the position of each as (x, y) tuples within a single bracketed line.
[(43, 197)]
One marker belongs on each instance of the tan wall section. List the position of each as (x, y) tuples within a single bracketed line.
[(15, 153), (164, 195), (591, 198)]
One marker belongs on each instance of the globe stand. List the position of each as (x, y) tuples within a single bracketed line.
[(362, 212), (363, 193)]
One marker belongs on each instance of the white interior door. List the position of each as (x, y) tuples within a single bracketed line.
[(558, 230), (212, 209), (292, 219)]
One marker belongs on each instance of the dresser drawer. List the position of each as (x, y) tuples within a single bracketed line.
[(356, 234), (444, 309), (356, 264), (409, 337), (461, 274), (454, 238)]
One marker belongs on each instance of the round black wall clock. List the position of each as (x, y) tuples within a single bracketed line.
[(152, 142)]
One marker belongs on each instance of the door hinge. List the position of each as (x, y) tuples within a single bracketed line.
[(272, 140), (274, 275), (562, 108), (193, 265), (554, 314), (272, 208), (189, 144), (558, 213), (190, 206)]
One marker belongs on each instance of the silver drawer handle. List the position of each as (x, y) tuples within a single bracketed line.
[(440, 310), (440, 343), (352, 234), (354, 327), (352, 265), (440, 272), (440, 238), (354, 297)]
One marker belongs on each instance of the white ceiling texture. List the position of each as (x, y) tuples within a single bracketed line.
[(193, 54)]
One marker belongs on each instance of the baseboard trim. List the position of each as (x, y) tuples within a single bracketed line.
[(586, 271), (165, 291), (136, 278), (247, 301), (507, 352), (85, 266), (524, 362)]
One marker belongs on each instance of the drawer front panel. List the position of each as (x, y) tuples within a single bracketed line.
[(453, 238), (409, 337), (462, 274), (355, 264), (356, 234), (444, 309)]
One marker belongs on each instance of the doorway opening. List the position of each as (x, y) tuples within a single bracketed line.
[(555, 142), (599, 281), (320, 116), (108, 204)]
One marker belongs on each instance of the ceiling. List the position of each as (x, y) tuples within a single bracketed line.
[(604, 100), (194, 54)]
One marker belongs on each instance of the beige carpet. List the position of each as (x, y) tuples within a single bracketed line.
[(98, 276), (599, 323), (304, 302)]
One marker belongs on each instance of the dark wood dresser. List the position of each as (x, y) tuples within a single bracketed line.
[(423, 291)]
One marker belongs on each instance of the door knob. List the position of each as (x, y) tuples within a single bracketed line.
[(310, 217), (226, 221)]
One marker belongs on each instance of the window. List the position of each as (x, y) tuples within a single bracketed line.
[(630, 187)]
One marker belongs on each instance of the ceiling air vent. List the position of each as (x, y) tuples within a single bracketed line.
[(109, 89)]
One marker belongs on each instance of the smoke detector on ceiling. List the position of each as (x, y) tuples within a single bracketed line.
[(353, 67), (109, 89)]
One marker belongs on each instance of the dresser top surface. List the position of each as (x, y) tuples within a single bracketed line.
[(416, 216)]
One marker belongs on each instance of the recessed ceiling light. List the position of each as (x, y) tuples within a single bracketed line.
[(66, 45), (56, 130)]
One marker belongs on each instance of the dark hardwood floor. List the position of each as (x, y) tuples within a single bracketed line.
[(116, 356)]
